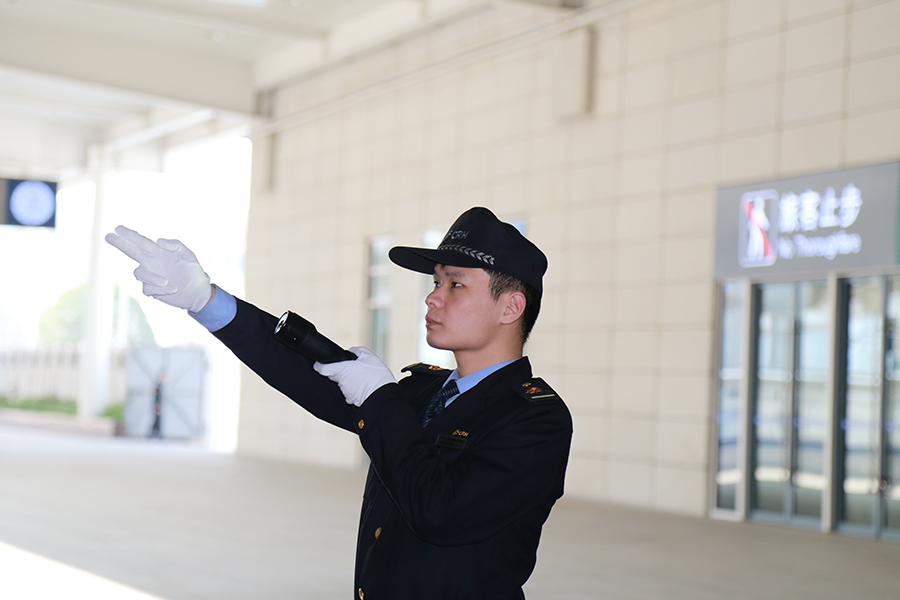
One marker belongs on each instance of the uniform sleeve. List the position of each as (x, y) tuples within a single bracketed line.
[(519, 465), (249, 335)]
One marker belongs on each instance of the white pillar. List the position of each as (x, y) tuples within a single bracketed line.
[(93, 392)]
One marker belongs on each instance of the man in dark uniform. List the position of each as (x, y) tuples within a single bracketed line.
[(465, 465)]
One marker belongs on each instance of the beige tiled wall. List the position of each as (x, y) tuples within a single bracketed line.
[(689, 95)]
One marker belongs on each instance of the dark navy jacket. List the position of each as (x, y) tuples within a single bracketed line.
[(453, 510)]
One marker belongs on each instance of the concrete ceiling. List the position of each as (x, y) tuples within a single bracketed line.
[(80, 72)]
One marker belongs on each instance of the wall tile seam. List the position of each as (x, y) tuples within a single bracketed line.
[(628, 245), (804, 21), (580, 410), (672, 55), (686, 325), (836, 117), (690, 189), (751, 36), (699, 418), (700, 372), (625, 325), (750, 85), (589, 454), (679, 419), (624, 201), (659, 151), (669, 279), (694, 6), (871, 110), (629, 460), (787, 75), (863, 4), (858, 58), (672, 100), (684, 466), (759, 130), (647, 417), (629, 21), (728, 138)]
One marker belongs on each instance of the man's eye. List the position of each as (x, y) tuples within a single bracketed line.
[(437, 284)]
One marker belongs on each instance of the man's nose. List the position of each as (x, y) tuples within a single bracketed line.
[(434, 299)]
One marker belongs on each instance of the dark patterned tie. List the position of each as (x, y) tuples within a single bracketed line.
[(436, 404)]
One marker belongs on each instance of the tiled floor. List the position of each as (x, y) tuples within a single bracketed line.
[(181, 523)]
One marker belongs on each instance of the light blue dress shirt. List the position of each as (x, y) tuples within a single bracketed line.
[(218, 313), (469, 381)]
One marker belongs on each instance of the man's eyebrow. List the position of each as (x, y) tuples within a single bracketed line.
[(451, 273)]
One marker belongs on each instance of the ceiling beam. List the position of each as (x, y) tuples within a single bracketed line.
[(243, 23), (554, 3), (195, 78)]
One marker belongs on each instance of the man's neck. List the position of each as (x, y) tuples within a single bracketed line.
[(471, 362)]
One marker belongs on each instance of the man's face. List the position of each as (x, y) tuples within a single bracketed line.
[(461, 315)]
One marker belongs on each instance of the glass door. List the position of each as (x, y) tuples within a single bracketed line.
[(810, 402), (728, 417), (789, 403), (890, 487), (868, 436), (773, 396)]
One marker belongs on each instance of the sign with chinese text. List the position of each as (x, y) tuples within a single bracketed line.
[(826, 222)]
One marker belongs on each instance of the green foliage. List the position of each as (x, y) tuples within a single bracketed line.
[(42, 404), (63, 323), (116, 412)]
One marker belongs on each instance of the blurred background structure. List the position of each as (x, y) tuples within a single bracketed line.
[(715, 183)]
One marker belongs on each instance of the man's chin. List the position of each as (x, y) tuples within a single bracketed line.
[(436, 345)]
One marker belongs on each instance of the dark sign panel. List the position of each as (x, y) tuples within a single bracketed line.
[(826, 222), (28, 202)]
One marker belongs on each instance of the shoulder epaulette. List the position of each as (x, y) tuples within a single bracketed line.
[(535, 389), (423, 368)]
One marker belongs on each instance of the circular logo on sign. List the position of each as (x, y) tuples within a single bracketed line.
[(32, 203)]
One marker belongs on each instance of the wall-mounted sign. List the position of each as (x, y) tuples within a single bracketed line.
[(830, 221), (28, 202)]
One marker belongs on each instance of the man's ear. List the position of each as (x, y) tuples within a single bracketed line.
[(514, 309)]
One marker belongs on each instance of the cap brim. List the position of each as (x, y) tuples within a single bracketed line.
[(422, 260)]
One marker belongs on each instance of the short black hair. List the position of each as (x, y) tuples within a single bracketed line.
[(500, 283)]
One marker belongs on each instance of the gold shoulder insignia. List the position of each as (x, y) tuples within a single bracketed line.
[(423, 368), (535, 389)]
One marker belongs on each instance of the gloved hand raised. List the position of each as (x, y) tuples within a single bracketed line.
[(357, 378), (167, 268)]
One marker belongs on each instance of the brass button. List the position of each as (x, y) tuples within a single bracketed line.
[(361, 424), (378, 533), (361, 595)]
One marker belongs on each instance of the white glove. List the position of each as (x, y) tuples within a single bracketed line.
[(357, 378), (167, 268)]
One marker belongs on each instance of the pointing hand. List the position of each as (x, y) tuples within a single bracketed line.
[(167, 268)]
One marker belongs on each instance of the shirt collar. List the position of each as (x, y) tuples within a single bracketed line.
[(471, 380)]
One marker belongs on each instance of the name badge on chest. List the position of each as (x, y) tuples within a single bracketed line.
[(450, 442)]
